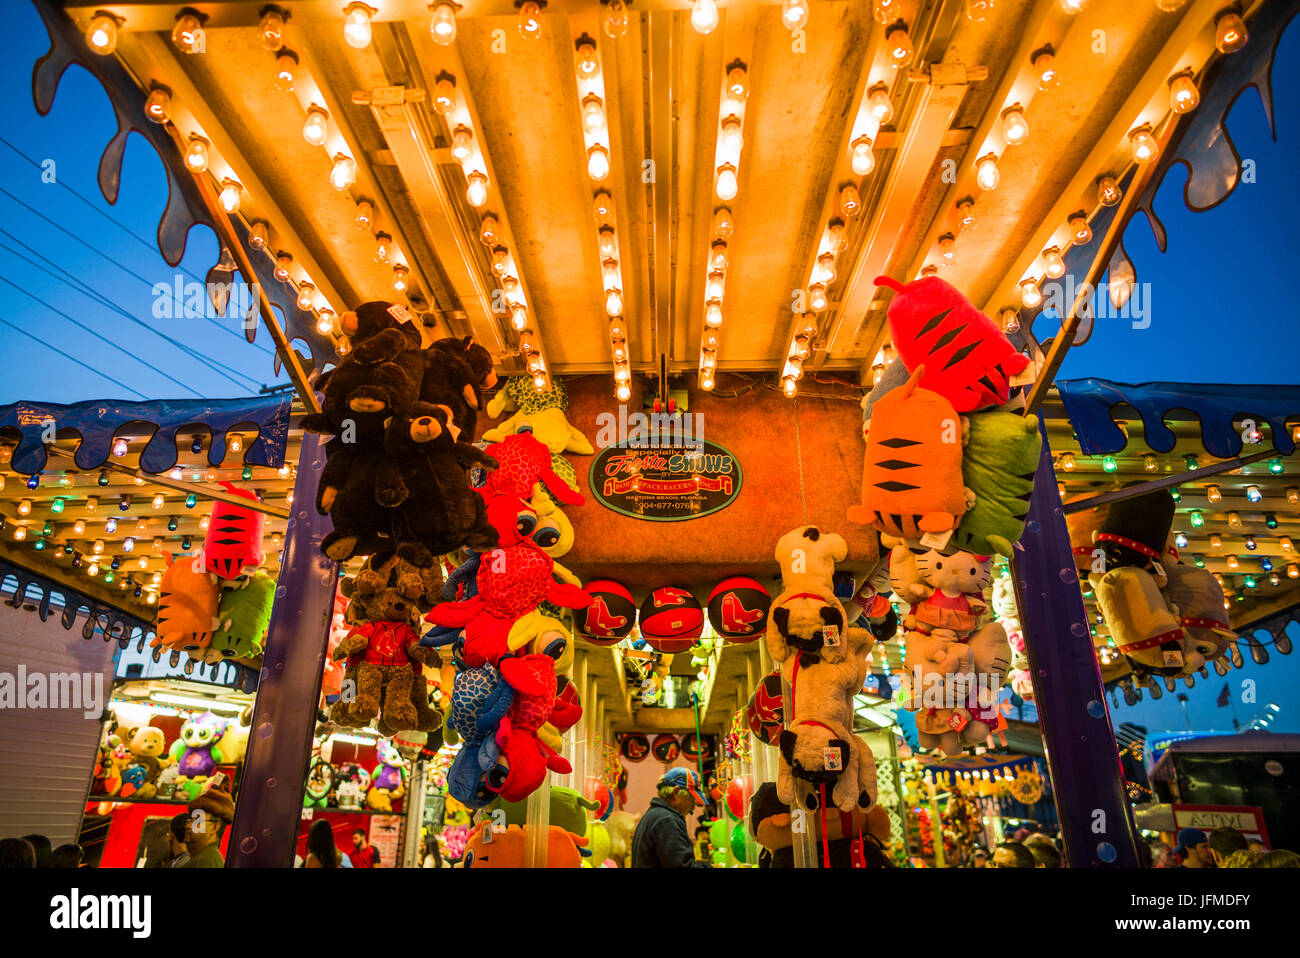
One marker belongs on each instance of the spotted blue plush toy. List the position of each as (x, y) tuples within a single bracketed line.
[(479, 700)]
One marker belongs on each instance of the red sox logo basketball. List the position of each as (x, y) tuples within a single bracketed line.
[(670, 596), (601, 622), (736, 619)]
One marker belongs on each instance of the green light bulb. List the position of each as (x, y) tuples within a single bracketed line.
[(1275, 466), (191, 501), (1109, 464), (57, 505), (1198, 520)]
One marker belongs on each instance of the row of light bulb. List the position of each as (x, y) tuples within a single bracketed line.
[(799, 351), (731, 138), (503, 268), (715, 289)]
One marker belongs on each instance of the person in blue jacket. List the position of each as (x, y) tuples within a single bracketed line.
[(661, 839)]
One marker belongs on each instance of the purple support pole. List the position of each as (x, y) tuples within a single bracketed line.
[(265, 830), (1082, 758)]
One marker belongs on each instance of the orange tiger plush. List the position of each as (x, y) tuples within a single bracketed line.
[(911, 477), (187, 606)]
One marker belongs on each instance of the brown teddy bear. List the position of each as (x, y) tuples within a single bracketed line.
[(385, 660)]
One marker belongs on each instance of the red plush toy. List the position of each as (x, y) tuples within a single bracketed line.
[(513, 579), (525, 461), (233, 545), (524, 755), (967, 359)]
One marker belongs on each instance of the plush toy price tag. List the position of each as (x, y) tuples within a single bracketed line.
[(489, 833), (958, 721), (832, 760), (403, 314), (936, 540), (1173, 657), (831, 636)]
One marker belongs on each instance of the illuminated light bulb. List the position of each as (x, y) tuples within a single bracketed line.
[(1073, 6), (283, 261), (1213, 493), (623, 393), (850, 201), (1293, 571), (613, 302), (708, 360), (230, 196), (619, 352), (593, 115), (878, 373), (613, 19), (400, 273), (1180, 540), (444, 95), (622, 374), (1234, 520), (196, 154), (1229, 32), (306, 297), (986, 172), (794, 13), (316, 128), (1197, 519), (442, 27), (258, 237), (98, 547), (1199, 561), (817, 297), (725, 183), (325, 322), (1249, 581), (1044, 64), (1144, 146), (344, 171), (899, 45), (1011, 320), (733, 140), (271, 29), (1233, 562), (1054, 262), (1080, 231), (863, 159), (706, 380), (1108, 464), (1273, 579), (101, 35), (79, 527), (188, 34), (704, 17), (1149, 463), (383, 247), (462, 143), (286, 65), (1183, 95), (609, 274), (20, 533), (713, 313), (158, 105), (1031, 297), (824, 272), (602, 208), (1015, 128), (948, 249), (588, 64), (92, 503), (509, 286), (715, 285), (1270, 519), (977, 10), (476, 189), (882, 11), (1250, 543), (530, 19), (966, 214), (789, 387), (606, 242), (738, 84), (710, 339), (24, 507), (718, 259), (356, 25), (159, 500), (128, 544), (793, 368), (1108, 191), (1190, 462), (1275, 467), (1216, 541), (519, 319), (500, 260), (487, 230), (723, 226)]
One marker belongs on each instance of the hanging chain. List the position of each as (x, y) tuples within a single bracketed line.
[(798, 448)]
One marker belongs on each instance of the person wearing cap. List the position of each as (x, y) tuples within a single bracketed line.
[(210, 813), (1194, 849), (661, 839)]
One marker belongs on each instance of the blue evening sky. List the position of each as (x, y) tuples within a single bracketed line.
[(77, 310)]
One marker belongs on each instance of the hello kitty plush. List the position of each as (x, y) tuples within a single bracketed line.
[(956, 598)]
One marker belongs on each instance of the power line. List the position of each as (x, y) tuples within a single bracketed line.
[(56, 349), (103, 339), (125, 268), (85, 290)]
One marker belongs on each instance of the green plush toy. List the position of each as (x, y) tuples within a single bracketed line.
[(998, 466), (568, 811), (244, 615), (520, 394)]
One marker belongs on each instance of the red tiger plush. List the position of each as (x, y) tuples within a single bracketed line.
[(233, 546), (967, 359)]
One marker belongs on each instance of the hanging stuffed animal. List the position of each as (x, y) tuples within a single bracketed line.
[(387, 779), (825, 664), (1198, 597), (188, 599), (1131, 540), (524, 462), (523, 756), (911, 480), (508, 847), (385, 651), (245, 614), (542, 415), (479, 701), (422, 485), (998, 465), (148, 747), (456, 373), (969, 360), (233, 545)]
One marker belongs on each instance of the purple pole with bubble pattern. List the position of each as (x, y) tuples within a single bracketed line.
[(1082, 758), (269, 809)]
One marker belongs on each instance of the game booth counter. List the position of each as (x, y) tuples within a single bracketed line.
[(567, 493)]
